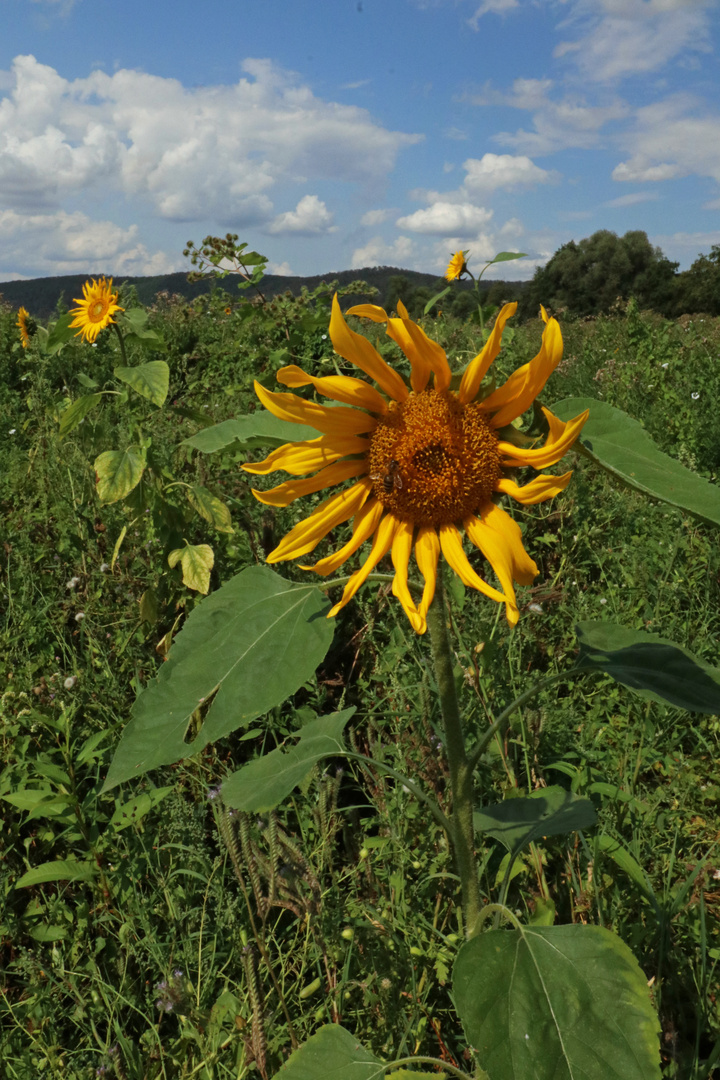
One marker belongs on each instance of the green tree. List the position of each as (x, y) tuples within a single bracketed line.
[(699, 287)]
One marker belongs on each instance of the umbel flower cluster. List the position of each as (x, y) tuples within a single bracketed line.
[(427, 460)]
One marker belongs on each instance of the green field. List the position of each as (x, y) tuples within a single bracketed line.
[(185, 939)]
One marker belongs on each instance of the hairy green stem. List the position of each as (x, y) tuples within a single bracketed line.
[(416, 1060), (461, 773), (122, 343)]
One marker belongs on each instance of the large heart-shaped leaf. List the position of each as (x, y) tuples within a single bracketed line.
[(262, 784), (622, 447), (151, 380), (551, 811), (257, 429), (556, 1003), (651, 666), (332, 1053), (118, 472), (251, 644)]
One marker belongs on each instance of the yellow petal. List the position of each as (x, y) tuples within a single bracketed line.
[(358, 350), (401, 550), (381, 545), (307, 534), (284, 494), (338, 387), (419, 367), (452, 549), (499, 539), (368, 311), (431, 354), (538, 490), (331, 421), (427, 553), (478, 368), (543, 314), (366, 522), (518, 393), (298, 458), (553, 449)]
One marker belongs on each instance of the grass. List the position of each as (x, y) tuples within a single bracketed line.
[(215, 942)]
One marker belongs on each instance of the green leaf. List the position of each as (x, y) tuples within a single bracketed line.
[(438, 296), (151, 380), (57, 870), (59, 334), (49, 932), (133, 811), (210, 507), (652, 666), (86, 381), (76, 412), (550, 811), (28, 798), (622, 858), (556, 1003), (252, 644), (117, 472), (506, 256), (332, 1053), (411, 1074), (262, 784), (622, 447), (257, 429), (197, 560)]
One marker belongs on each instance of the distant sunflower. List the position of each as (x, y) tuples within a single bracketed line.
[(456, 266), (426, 460), (96, 310), (23, 326)]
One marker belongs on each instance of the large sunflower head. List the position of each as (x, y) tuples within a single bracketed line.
[(457, 266), (95, 311), (427, 462), (23, 325)]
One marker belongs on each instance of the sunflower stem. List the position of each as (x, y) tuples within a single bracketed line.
[(122, 343), (461, 833)]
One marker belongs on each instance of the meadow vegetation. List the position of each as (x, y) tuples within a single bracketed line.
[(209, 942)]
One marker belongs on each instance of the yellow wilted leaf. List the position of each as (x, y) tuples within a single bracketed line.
[(197, 560)]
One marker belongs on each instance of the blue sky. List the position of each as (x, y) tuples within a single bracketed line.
[(336, 134)]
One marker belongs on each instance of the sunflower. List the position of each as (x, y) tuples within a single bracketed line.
[(457, 266), (23, 327), (96, 310), (426, 461)]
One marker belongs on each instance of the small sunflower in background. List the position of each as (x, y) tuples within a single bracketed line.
[(23, 325), (457, 266), (426, 461), (96, 309)]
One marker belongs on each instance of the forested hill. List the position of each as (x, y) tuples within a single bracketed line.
[(41, 295)]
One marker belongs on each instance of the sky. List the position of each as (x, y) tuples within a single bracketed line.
[(338, 134)]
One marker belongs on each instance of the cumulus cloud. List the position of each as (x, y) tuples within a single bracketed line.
[(379, 253), (192, 154), (375, 217), (310, 217), (493, 171), (671, 139), (445, 219), (281, 269), (67, 243)]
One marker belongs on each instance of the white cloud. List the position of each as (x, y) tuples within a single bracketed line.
[(493, 171), (192, 154), (494, 7), (67, 243), (375, 217), (379, 253), (446, 219), (310, 217), (684, 247), (281, 269), (669, 139), (632, 199)]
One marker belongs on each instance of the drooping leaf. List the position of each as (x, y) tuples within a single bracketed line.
[(622, 447), (118, 472), (150, 380), (332, 1053), (551, 811), (57, 870), (196, 560), (622, 858), (252, 644), (257, 429), (210, 507), (506, 256), (434, 300), (556, 1003), (76, 412), (135, 810), (262, 784), (652, 666)]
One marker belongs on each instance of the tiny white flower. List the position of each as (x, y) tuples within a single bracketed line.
[(104, 567), (94, 344), (603, 600), (695, 395), (664, 365), (12, 431), (70, 682), (537, 608), (80, 616), (324, 337), (73, 583)]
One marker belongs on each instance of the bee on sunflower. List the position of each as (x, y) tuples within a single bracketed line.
[(96, 309), (427, 460)]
